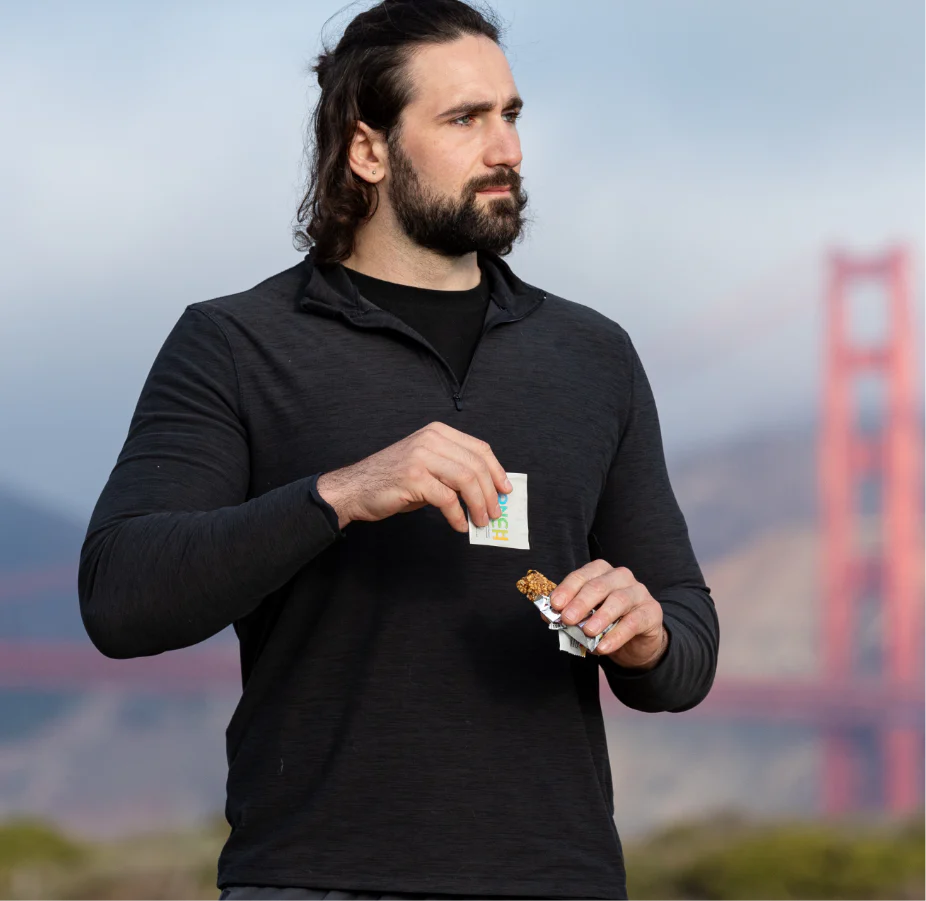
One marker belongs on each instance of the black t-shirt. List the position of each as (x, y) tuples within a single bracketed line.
[(450, 321)]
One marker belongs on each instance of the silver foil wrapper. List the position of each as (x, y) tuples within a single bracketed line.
[(589, 641)]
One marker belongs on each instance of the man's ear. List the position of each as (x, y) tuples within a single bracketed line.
[(367, 154)]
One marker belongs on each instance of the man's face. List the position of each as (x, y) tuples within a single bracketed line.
[(454, 180)]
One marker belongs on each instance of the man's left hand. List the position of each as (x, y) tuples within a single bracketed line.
[(639, 640)]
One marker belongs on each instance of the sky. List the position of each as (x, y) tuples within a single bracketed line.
[(689, 164)]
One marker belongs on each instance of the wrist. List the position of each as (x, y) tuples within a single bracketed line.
[(652, 661), (335, 491)]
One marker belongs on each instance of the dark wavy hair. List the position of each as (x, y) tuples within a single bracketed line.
[(364, 79)]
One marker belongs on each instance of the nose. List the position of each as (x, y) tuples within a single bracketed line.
[(504, 146)]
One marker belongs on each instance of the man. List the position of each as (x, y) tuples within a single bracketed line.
[(296, 464)]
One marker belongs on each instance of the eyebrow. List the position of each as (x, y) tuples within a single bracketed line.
[(479, 106)]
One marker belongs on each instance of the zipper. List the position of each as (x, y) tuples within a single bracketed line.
[(458, 395), (398, 325)]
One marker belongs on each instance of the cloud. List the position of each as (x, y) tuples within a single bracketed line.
[(684, 170)]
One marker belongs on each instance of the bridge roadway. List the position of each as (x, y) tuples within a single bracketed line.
[(69, 666)]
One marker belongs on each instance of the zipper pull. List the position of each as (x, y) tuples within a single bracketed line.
[(458, 402)]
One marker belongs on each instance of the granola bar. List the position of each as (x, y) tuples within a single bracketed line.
[(535, 585)]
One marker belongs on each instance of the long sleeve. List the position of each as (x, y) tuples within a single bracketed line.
[(639, 525), (175, 551)]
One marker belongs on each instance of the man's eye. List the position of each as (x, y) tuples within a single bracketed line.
[(512, 116)]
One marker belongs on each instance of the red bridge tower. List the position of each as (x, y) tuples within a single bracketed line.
[(880, 464)]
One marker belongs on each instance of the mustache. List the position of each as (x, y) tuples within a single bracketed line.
[(506, 178)]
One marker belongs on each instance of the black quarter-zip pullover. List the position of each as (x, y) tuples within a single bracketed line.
[(407, 722)]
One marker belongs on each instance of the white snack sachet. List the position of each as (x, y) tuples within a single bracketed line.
[(510, 529)]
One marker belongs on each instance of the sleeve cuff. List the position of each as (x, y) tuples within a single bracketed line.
[(330, 513), (654, 690)]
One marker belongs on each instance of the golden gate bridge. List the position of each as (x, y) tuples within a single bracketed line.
[(849, 704)]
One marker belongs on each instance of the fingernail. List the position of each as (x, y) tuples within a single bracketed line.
[(508, 486), (592, 627), (554, 600)]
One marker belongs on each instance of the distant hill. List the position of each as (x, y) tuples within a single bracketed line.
[(732, 493), (33, 535), (39, 550)]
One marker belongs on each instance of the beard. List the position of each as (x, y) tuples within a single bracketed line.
[(457, 226)]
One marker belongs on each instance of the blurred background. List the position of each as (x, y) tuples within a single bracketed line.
[(740, 185)]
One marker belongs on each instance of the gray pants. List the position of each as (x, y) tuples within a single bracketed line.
[(249, 893), (254, 892)]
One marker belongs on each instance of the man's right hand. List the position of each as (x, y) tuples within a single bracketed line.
[(430, 466)]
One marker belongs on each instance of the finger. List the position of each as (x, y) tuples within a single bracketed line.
[(442, 496), (465, 457), (641, 619), (589, 596), (461, 479), (616, 605), (569, 587), (593, 592), (456, 517), (478, 446)]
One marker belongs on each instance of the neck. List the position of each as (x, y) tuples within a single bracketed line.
[(385, 252)]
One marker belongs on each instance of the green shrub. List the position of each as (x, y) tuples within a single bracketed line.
[(807, 861), (28, 841)]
